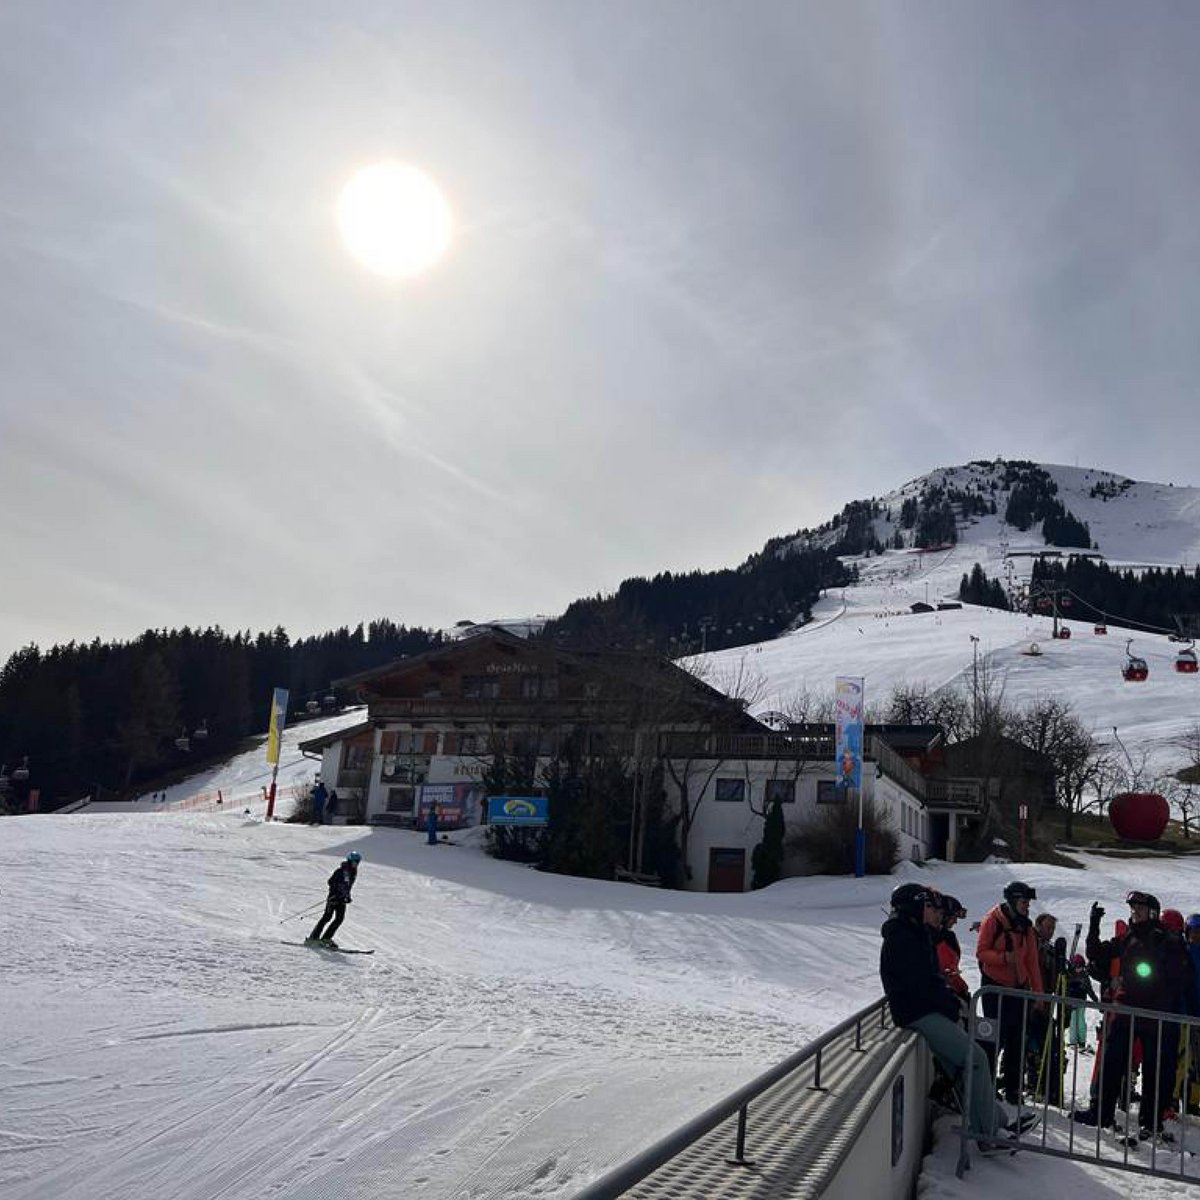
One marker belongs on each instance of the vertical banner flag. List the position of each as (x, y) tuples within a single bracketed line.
[(848, 726), (279, 701)]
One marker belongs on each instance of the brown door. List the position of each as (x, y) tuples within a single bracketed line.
[(726, 870)]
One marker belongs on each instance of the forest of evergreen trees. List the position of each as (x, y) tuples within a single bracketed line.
[(977, 588), (1034, 497), (101, 718), (1152, 598), (677, 614)]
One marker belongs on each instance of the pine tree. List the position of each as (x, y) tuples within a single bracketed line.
[(767, 859)]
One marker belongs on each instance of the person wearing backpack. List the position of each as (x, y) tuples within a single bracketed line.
[(1007, 952)]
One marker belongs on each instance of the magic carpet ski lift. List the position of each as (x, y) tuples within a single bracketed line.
[(1135, 669)]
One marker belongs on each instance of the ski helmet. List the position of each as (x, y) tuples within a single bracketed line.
[(1077, 960), (1016, 890), (1151, 902), (354, 857), (910, 899), (1172, 919), (1193, 921), (952, 907)]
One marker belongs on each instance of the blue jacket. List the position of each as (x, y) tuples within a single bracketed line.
[(1193, 994)]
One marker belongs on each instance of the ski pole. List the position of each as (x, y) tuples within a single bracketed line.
[(319, 904)]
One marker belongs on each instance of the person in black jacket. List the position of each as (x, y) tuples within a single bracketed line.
[(1155, 973), (920, 999), (340, 884)]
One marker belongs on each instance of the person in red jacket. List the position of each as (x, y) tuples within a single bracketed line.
[(949, 952), (1008, 957)]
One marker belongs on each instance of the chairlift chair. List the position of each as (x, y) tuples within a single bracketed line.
[(183, 742), (1135, 670), (313, 706), (201, 731)]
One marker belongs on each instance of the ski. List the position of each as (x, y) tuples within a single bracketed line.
[(331, 949)]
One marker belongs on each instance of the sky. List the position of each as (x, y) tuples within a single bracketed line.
[(715, 272)]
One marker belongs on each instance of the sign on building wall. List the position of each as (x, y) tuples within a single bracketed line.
[(848, 730), (518, 810), (453, 800)]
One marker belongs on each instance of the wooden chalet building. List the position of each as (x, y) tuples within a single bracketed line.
[(435, 721)]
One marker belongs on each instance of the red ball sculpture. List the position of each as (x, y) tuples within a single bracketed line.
[(1139, 816)]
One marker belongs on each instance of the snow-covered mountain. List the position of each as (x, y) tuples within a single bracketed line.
[(1131, 522), (869, 628)]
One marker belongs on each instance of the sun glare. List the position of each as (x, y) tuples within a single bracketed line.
[(394, 219)]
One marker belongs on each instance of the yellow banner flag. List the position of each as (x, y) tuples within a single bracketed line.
[(275, 728)]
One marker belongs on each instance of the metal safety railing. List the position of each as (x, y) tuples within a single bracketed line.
[(1037, 1028), (874, 1017)]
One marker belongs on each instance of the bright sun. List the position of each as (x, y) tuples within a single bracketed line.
[(394, 219)]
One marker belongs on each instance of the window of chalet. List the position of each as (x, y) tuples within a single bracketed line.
[(539, 687), (400, 800), (408, 741), (828, 792), (731, 791), (472, 743), (480, 687), (783, 790), (357, 756)]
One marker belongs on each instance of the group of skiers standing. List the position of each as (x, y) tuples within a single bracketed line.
[(1151, 962)]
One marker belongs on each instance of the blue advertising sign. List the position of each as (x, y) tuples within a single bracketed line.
[(518, 810)]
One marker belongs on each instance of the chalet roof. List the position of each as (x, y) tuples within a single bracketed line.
[(635, 668), (317, 744), (1004, 756)]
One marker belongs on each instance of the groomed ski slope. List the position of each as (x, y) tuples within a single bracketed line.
[(869, 630), (514, 1034)]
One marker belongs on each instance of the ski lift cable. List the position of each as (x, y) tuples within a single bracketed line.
[(1117, 618)]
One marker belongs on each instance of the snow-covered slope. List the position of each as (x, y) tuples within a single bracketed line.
[(513, 1035), (869, 629)]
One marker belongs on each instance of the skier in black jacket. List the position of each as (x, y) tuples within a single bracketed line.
[(1155, 973), (920, 999), (340, 884)]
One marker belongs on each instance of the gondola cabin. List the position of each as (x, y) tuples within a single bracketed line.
[(1100, 630), (1063, 633), (1185, 662), (1135, 670)]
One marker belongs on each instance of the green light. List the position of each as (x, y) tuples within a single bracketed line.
[(1142, 970)]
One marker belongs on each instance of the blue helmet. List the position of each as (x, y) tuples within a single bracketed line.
[(1193, 922), (354, 857)]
